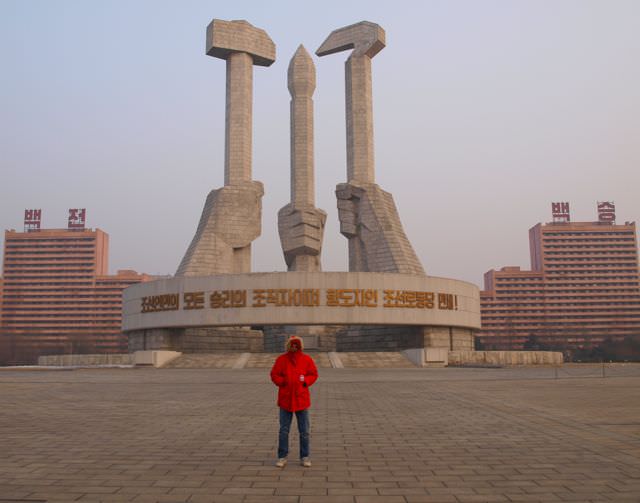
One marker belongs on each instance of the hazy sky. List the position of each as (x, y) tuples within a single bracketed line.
[(485, 112)]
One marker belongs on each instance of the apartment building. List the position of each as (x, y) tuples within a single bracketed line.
[(583, 288), (57, 295)]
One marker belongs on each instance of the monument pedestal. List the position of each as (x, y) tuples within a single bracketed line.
[(162, 339), (333, 311), (357, 338), (198, 340), (314, 337)]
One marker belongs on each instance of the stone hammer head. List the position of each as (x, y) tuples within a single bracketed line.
[(225, 37), (364, 38)]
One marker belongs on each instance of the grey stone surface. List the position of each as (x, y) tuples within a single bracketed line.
[(197, 339), (225, 38), (317, 338), (378, 338), (88, 360), (374, 359), (205, 361), (437, 337), (368, 215), (231, 218), (366, 40), (505, 357), (384, 435), (154, 338), (210, 339), (462, 339), (370, 221), (230, 221), (301, 82), (300, 223), (306, 298), (301, 230)]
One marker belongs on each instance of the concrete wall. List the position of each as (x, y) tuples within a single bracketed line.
[(315, 337), (156, 358), (197, 340), (453, 338), (319, 338), (213, 340), (378, 338), (504, 358), (86, 360), (155, 338)]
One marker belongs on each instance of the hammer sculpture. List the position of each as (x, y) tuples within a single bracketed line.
[(368, 215), (231, 218)]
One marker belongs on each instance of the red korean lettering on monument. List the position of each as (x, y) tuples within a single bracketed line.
[(228, 298), (408, 299), (157, 303), (356, 297), (447, 301), (193, 300)]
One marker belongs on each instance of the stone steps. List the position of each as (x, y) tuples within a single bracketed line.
[(204, 361), (387, 359), (266, 360), (261, 360)]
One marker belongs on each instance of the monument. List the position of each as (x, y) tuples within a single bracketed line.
[(385, 301), (300, 223), (368, 215), (232, 216)]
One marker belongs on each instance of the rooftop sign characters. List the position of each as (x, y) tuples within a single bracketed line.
[(560, 212), (77, 218), (32, 219), (607, 212)]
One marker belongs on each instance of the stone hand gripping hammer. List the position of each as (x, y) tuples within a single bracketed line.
[(231, 218)]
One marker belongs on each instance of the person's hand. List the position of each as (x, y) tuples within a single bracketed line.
[(301, 378)]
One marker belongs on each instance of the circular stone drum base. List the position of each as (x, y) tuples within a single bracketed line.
[(347, 311)]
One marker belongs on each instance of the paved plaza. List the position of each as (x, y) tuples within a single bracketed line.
[(386, 435)]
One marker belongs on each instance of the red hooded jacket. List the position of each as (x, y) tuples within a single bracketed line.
[(293, 394)]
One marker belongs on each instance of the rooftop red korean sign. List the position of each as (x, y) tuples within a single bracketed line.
[(560, 212), (77, 218), (606, 212), (32, 220)]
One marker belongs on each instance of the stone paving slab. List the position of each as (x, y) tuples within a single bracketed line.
[(385, 435)]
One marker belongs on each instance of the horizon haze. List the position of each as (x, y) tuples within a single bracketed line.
[(485, 112)]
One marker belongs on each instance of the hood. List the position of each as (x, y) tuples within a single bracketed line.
[(294, 338)]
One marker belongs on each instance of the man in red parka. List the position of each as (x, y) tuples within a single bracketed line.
[(294, 372)]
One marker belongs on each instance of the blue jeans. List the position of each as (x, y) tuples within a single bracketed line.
[(302, 418)]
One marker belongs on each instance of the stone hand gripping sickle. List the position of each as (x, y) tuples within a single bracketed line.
[(368, 215), (231, 218)]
